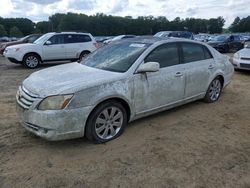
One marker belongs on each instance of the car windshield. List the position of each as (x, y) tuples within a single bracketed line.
[(220, 38), (161, 34), (22, 39), (248, 46), (117, 57), (42, 39)]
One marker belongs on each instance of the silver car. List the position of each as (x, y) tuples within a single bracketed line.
[(241, 59), (117, 84)]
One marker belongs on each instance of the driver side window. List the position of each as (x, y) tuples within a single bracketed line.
[(166, 55), (57, 39)]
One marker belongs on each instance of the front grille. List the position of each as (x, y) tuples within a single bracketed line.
[(245, 58), (25, 98), (244, 65)]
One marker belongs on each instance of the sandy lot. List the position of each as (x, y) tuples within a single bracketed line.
[(196, 145)]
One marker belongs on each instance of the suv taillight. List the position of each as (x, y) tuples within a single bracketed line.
[(96, 45)]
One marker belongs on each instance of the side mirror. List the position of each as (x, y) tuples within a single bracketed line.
[(148, 67), (48, 42)]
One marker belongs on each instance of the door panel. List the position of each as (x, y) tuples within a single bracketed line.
[(199, 65), (56, 50), (157, 89), (76, 43), (197, 76)]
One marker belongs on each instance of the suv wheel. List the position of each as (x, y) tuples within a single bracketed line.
[(31, 61), (82, 55)]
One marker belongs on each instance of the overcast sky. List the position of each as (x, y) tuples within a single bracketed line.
[(38, 10)]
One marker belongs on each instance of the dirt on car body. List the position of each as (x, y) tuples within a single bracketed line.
[(196, 145)]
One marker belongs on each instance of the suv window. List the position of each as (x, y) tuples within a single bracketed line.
[(57, 39), (166, 55), (194, 52), (236, 38), (73, 38)]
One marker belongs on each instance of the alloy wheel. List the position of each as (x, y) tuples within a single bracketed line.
[(109, 123)]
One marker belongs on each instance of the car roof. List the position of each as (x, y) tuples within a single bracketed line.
[(69, 32), (153, 39)]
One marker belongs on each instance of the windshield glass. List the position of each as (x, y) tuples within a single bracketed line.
[(161, 34), (248, 46), (43, 38), (22, 39), (117, 57), (220, 38)]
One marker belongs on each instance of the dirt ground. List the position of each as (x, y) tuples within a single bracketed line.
[(196, 145)]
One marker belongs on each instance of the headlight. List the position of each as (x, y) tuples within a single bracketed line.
[(237, 56), (57, 102)]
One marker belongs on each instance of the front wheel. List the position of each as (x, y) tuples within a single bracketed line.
[(214, 91), (31, 61), (106, 122)]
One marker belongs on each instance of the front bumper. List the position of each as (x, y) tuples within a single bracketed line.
[(241, 64), (14, 57), (54, 124)]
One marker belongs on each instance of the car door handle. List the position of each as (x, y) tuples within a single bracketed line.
[(178, 74), (211, 66)]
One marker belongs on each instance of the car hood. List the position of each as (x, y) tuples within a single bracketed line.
[(245, 52), (215, 42), (21, 45), (11, 43), (68, 78)]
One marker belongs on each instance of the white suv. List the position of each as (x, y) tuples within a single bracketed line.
[(52, 47)]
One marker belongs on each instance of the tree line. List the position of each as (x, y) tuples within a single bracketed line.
[(107, 25), (240, 25)]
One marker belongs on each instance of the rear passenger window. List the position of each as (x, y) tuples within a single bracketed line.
[(194, 52), (78, 38), (83, 38), (166, 55), (207, 53)]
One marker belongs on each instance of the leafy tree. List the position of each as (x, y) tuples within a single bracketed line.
[(2, 31), (15, 32)]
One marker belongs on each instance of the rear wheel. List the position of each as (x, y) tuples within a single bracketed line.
[(214, 90), (82, 55), (106, 122), (31, 61)]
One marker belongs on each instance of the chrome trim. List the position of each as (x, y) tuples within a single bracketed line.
[(25, 98)]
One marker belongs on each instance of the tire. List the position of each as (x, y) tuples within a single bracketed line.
[(214, 91), (82, 55), (107, 122), (226, 49), (31, 61)]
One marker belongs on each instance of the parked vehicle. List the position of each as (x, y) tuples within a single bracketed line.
[(4, 39), (119, 37), (241, 59), (177, 34), (201, 37), (227, 43), (52, 47), (119, 83), (27, 39)]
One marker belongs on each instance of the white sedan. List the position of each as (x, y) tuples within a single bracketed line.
[(241, 59), (119, 83)]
